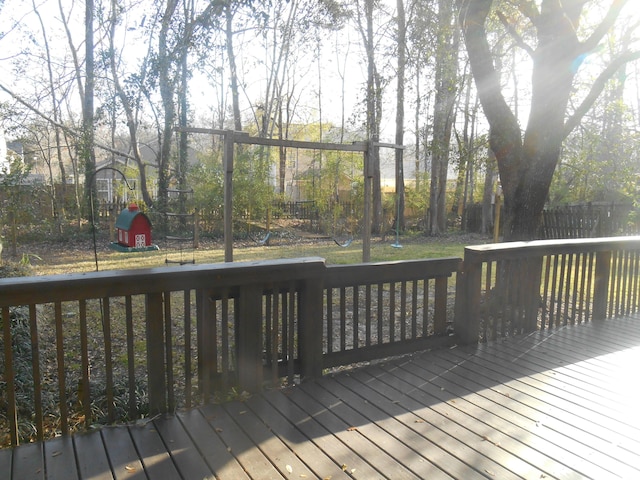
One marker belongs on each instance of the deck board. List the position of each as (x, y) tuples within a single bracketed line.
[(91, 457), (124, 461), (554, 404), (60, 459)]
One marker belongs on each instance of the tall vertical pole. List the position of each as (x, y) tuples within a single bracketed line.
[(366, 234), (229, 141)]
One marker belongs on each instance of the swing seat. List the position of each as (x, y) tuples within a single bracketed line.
[(265, 240), (345, 244)]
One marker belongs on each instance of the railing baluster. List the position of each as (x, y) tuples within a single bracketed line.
[(224, 339), (392, 312), (168, 349), (187, 347), (291, 357), (108, 358), (131, 369), (356, 317), (379, 312), (403, 310), (425, 307), (589, 289), (368, 318), (62, 387), (155, 353), (414, 309), (343, 318), (440, 306), (84, 387), (37, 382), (9, 377), (272, 332), (329, 318), (545, 321)]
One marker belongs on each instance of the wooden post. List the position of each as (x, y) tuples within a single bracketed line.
[(196, 228), (467, 321), (310, 328), (366, 229), (155, 353), (229, 143), (601, 285), (249, 339)]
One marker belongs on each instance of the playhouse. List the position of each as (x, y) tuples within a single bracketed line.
[(133, 229)]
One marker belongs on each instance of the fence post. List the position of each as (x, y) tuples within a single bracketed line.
[(601, 285), (467, 311), (155, 353), (310, 328), (249, 339)]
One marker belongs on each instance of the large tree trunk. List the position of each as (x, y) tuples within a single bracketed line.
[(443, 116)]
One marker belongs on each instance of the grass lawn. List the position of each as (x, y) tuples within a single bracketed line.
[(59, 258)]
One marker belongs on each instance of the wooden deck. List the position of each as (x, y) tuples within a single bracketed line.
[(559, 404)]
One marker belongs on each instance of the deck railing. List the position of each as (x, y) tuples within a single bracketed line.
[(518, 287), (100, 347), (86, 349)]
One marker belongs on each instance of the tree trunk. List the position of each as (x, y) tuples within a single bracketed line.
[(443, 116), (88, 152), (235, 94), (166, 82), (399, 153)]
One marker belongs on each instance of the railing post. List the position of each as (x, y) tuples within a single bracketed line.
[(155, 353), (467, 325), (310, 328), (601, 285), (249, 339)]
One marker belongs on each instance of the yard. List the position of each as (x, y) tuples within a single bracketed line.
[(77, 255)]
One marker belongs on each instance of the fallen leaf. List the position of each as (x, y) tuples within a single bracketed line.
[(352, 429), (289, 468), (129, 468), (490, 472), (344, 467), (56, 453)]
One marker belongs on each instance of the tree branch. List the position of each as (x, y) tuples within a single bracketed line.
[(596, 90), (514, 34), (601, 30), (68, 130)]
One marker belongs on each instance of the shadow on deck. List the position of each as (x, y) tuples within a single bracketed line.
[(554, 404)]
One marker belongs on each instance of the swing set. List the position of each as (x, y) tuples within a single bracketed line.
[(231, 138)]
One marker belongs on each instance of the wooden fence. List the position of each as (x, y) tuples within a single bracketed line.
[(94, 348)]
